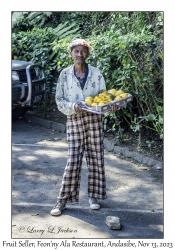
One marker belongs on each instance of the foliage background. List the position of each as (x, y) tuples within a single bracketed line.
[(127, 48)]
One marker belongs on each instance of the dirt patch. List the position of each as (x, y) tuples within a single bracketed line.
[(129, 139)]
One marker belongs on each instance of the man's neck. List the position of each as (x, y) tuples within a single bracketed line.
[(80, 68)]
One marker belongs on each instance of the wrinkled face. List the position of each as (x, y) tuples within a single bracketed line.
[(79, 54)]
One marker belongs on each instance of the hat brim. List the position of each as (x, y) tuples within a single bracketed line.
[(79, 42)]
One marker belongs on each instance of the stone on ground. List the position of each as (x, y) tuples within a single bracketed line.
[(113, 222)]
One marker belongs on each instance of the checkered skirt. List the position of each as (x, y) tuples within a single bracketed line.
[(84, 134)]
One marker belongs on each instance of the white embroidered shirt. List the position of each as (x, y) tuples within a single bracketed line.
[(68, 90)]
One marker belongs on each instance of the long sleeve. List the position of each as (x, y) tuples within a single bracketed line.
[(66, 107)]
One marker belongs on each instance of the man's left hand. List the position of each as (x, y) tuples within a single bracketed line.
[(114, 108)]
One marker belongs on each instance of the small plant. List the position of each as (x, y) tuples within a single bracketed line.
[(149, 144), (136, 126), (119, 134), (156, 121)]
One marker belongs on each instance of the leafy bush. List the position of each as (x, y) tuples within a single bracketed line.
[(133, 62)]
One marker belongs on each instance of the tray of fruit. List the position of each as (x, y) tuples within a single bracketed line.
[(102, 102)]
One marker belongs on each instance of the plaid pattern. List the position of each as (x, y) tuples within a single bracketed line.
[(84, 134)]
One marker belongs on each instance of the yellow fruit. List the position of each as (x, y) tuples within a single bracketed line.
[(88, 100), (99, 97), (94, 104), (96, 97), (112, 91), (101, 103), (117, 98), (119, 92), (108, 100), (97, 100), (124, 95), (89, 97)]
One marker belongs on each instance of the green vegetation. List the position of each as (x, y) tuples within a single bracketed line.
[(127, 48)]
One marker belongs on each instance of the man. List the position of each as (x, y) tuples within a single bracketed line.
[(84, 129)]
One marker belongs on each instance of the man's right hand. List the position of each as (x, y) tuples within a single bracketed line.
[(79, 109)]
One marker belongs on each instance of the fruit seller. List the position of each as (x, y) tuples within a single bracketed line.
[(84, 129)]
